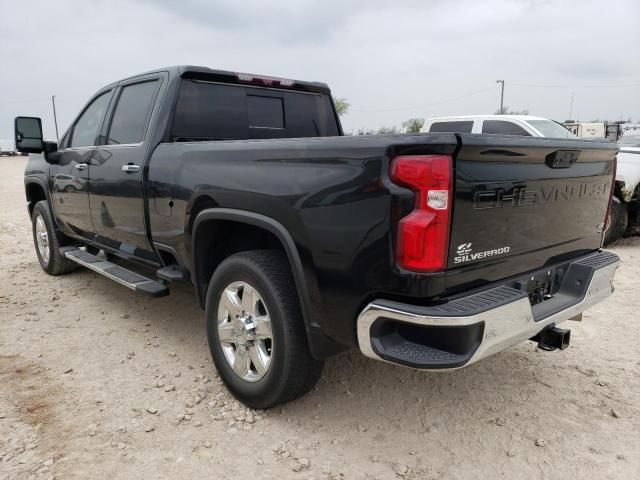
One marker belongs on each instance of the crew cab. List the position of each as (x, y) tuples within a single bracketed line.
[(430, 251)]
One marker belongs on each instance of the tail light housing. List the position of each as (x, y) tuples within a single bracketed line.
[(423, 235)]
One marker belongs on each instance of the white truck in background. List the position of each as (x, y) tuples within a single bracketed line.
[(587, 130)]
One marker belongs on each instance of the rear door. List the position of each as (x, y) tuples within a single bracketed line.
[(117, 168), (522, 203)]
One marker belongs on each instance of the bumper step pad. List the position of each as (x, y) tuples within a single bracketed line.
[(119, 274)]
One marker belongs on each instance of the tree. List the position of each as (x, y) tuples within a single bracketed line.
[(342, 106), (362, 131), (387, 130), (413, 125), (505, 111)]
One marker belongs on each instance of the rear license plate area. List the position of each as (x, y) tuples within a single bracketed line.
[(538, 286)]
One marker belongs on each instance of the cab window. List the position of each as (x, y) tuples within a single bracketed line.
[(132, 114), (464, 126), (208, 111), (87, 127), (503, 128)]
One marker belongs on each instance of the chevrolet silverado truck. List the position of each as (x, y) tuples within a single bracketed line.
[(430, 251)]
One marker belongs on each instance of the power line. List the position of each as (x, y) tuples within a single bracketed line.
[(427, 104), (34, 100), (619, 85)]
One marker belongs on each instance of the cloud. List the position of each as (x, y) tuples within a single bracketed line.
[(392, 60)]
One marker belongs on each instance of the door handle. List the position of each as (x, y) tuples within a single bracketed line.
[(81, 166), (130, 168)]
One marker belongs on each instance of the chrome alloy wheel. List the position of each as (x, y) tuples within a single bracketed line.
[(244, 331), (42, 238)]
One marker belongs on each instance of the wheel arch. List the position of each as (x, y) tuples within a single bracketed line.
[(35, 191), (254, 220)]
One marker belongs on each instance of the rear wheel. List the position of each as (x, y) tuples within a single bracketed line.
[(48, 242), (256, 332), (618, 220)]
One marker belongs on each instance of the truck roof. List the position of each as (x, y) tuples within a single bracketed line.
[(226, 76), (486, 117)]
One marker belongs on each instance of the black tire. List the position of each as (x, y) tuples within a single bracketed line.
[(56, 263), (617, 222), (292, 371)]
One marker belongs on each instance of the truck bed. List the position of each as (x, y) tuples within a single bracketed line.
[(334, 196)]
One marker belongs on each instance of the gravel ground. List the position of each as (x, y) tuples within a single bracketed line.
[(98, 382)]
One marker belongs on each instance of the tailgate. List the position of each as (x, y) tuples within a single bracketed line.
[(522, 203)]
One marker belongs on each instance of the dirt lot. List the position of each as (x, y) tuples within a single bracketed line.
[(98, 382)]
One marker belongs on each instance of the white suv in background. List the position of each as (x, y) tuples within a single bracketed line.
[(522, 125)]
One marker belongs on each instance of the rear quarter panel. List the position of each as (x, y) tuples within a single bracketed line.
[(331, 194)]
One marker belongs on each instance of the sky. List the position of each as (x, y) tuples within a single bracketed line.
[(390, 60)]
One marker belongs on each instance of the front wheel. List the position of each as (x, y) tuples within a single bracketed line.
[(256, 332), (47, 242)]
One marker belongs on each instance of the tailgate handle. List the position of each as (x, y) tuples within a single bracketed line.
[(562, 158)]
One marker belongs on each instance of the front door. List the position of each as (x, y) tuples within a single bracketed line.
[(70, 177), (117, 167)]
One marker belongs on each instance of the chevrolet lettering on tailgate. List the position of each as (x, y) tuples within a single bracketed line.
[(532, 196)]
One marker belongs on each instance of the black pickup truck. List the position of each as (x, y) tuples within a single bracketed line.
[(431, 251)]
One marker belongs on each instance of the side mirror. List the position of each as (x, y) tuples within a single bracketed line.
[(28, 135), (51, 154)]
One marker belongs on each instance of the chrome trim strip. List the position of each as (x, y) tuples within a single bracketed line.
[(505, 326)]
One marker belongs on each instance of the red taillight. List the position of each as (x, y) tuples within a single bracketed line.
[(423, 235)]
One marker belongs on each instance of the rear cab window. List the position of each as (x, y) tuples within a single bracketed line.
[(265, 112), (208, 111), (457, 126)]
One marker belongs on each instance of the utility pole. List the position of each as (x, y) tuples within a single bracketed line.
[(55, 118), (571, 107), (501, 95)]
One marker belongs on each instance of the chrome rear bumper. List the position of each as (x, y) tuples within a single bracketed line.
[(471, 328)]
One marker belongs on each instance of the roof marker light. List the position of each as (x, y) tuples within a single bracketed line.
[(264, 80)]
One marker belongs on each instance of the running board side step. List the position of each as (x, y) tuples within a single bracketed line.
[(116, 273)]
